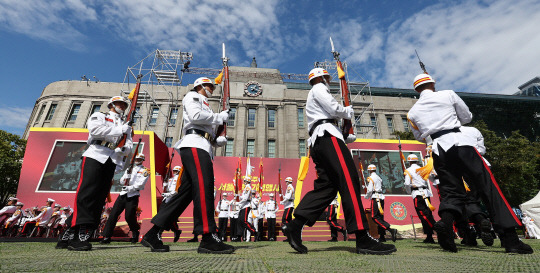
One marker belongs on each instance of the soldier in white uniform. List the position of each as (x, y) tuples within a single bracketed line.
[(260, 219), (169, 190), (223, 209), (9, 209), (195, 150), (288, 202), (235, 210), (375, 193), (99, 163), (253, 217), (331, 219), (439, 115), (532, 230), (243, 223), (418, 188), (128, 200), (270, 210), (46, 213), (336, 170), (14, 217)]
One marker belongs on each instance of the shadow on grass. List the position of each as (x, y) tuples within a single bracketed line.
[(335, 248)]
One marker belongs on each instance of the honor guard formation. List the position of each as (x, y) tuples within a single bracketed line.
[(454, 164)]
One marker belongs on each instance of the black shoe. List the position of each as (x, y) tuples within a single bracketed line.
[(334, 239), (211, 244), (345, 235), (445, 236), (469, 237), (134, 237), (177, 235), (520, 248), (367, 245), (153, 241), (294, 237), (485, 232), (429, 240), (193, 240), (381, 239), (63, 239), (271, 239), (393, 232), (105, 241), (80, 241)]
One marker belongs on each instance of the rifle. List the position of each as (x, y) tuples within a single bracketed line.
[(421, 63), (132, 112), (237, 177), (261, 178), (279, 183), (168, 173), (225, 97), (402, 157), (347, 128), (130, 168), (362, 173)]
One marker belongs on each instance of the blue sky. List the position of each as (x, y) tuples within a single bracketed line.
[(473, 46)]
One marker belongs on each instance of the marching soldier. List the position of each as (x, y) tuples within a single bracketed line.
[(288, 202), (128, 200), (270, 210), (260, 218), (375, 193), (336, 170), (196, 153), (99, 163), (439, 115), (235, 209), (224, 209), (335, 227), (419, 189), (243, 223), (169, 190)]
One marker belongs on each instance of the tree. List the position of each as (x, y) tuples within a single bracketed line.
[(515, 163), (11, 154), (404, 135)]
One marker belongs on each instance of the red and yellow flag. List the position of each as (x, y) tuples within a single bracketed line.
[(261, 177)]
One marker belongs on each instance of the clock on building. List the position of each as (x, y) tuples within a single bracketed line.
[(252, 89)]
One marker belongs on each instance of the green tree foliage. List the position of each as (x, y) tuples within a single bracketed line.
[(11, 155), (404, 135), (515, 163)]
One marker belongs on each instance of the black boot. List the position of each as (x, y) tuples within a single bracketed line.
[(365, 244), (512, 244), (293, 232), (381, 239), (134, 237), (105, 241), (469, 238), (194, 239), (393, 233), (80, 241), (485, 232), (429, 239), (63, 239), (152, 239), (210, 243), (177, 235), (334, 239), (345, 235), (445, 236)]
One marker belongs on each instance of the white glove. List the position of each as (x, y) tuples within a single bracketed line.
[(349, 112), (119, 167), (126, 188), (221, 141), (166, 195), (350, 139), (224, 115), (118, 150), (126, 128)]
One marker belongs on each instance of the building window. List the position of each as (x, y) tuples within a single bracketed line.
[(374, 124), (301, 117), (95, 108), (155, 114), (390, 123), (271, 118), (302, 147), (74, 112), (251, 117), (50, 114), (232, 117), (229, 147), (137, 115), (173, 115), (168, 142), (405, 124), (271, 148), (40, 113), (250, 149)]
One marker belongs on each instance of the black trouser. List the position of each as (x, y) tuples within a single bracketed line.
[(378, 217), (287, 215), (223, 227), (234, 222), (130, 204), (336, 171), (197, 186), (424, 213), (473, 207), (271, 227), (332, 222), (243, 222), (94, 186), (465, 161)]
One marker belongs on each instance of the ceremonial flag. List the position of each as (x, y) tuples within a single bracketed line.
[(219, 78), (261, 178)]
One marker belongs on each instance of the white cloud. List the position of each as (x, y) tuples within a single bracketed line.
[(14, 117)]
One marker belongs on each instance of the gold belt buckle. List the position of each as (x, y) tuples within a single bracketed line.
[(207, 136)]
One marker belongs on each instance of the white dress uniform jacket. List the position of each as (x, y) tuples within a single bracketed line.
[(322, 105), (475, 134), (44, 217), (245, 197), (262, 209), (437, 111), (235, 209), (374, 189), (169, 189), (107, 127), (255, 203), (8, 210), (413, 179), (271, 208), (198, 115), (288, 199), (223, 208), (15, 216), (139, 176)]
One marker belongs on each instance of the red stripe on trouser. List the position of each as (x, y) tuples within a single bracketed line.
[(287, 215), (421, 213), (498, 189), (246, 221), (352, 192), (373, 215), (202, 198), (74, 220)]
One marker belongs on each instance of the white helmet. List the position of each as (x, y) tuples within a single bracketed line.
[(271, 195), (422, 79), (203, 80), (288, 179), (224, 194), (253, 191), (412, 157), (177, 168), (117, 98), (371, 167), (140, 156), (20, 204), (247, 179), (317, 72)]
